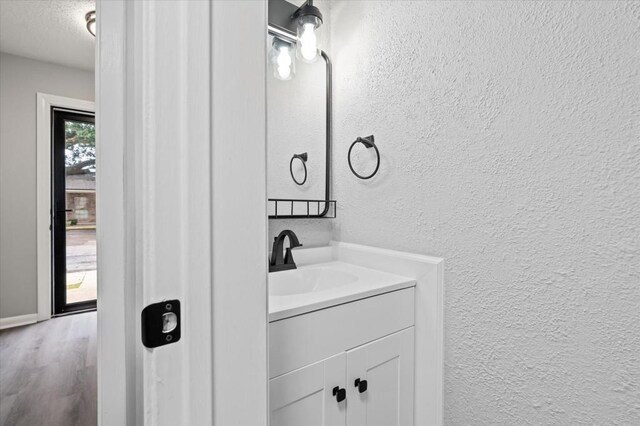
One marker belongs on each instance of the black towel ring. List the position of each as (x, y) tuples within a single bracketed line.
[(369, 143), (302, 157)]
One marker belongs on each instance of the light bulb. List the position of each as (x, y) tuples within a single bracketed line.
[(284, 62), (308, 42), (283, 67), (284, 73), (284, 58), (308, 22)]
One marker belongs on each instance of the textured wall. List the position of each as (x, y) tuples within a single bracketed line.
[(20, 80), (510, 140)]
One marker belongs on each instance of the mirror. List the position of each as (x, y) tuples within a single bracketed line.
[(297, 130)]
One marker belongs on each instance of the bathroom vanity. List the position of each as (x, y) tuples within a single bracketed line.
[(341, 344)]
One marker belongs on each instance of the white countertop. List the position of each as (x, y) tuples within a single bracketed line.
[(364, 282)]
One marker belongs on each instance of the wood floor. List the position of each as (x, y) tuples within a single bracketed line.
[(48, 373)]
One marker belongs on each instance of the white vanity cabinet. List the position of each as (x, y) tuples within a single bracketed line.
[(346, 365), (386, 367), (304, 396)]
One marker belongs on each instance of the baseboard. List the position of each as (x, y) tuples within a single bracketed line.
[(19, 320)]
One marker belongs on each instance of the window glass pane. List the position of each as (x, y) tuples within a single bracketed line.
[(80, 188)]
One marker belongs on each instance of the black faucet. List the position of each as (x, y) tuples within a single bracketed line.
[(278, 262)]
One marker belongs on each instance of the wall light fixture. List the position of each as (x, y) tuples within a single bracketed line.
[(290, 24), (308, 20)]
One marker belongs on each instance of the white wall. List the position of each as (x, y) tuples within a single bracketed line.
[(20, 80), (510, 142)]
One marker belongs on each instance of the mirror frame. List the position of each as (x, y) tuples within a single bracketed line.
[(286, 35)]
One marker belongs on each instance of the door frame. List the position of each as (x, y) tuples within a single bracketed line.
[(58, 230), (186, 101), (45, 104)]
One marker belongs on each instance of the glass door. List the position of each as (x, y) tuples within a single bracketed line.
[(73, 211)]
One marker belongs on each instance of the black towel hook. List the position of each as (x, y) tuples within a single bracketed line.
[(302, 157), (368, 142)]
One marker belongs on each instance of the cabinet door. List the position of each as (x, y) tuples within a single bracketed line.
[(305, 397), (387, 366)]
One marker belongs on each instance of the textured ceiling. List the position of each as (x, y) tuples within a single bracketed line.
[(48, 30)]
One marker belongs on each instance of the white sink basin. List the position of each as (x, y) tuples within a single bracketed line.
[(319, 285), (307, 280)]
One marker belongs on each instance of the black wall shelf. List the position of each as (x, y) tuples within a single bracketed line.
[(289, 208)]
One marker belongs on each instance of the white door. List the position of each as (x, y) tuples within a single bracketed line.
[(380, 382), (309, 396)]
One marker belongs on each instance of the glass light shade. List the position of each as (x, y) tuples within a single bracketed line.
[(308, 33), (281, 56)]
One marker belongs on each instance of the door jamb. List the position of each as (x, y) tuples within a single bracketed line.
[(43, 190), (223, 303)]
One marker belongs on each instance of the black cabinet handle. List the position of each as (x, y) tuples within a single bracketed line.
[(340, 394), (362, 385)]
